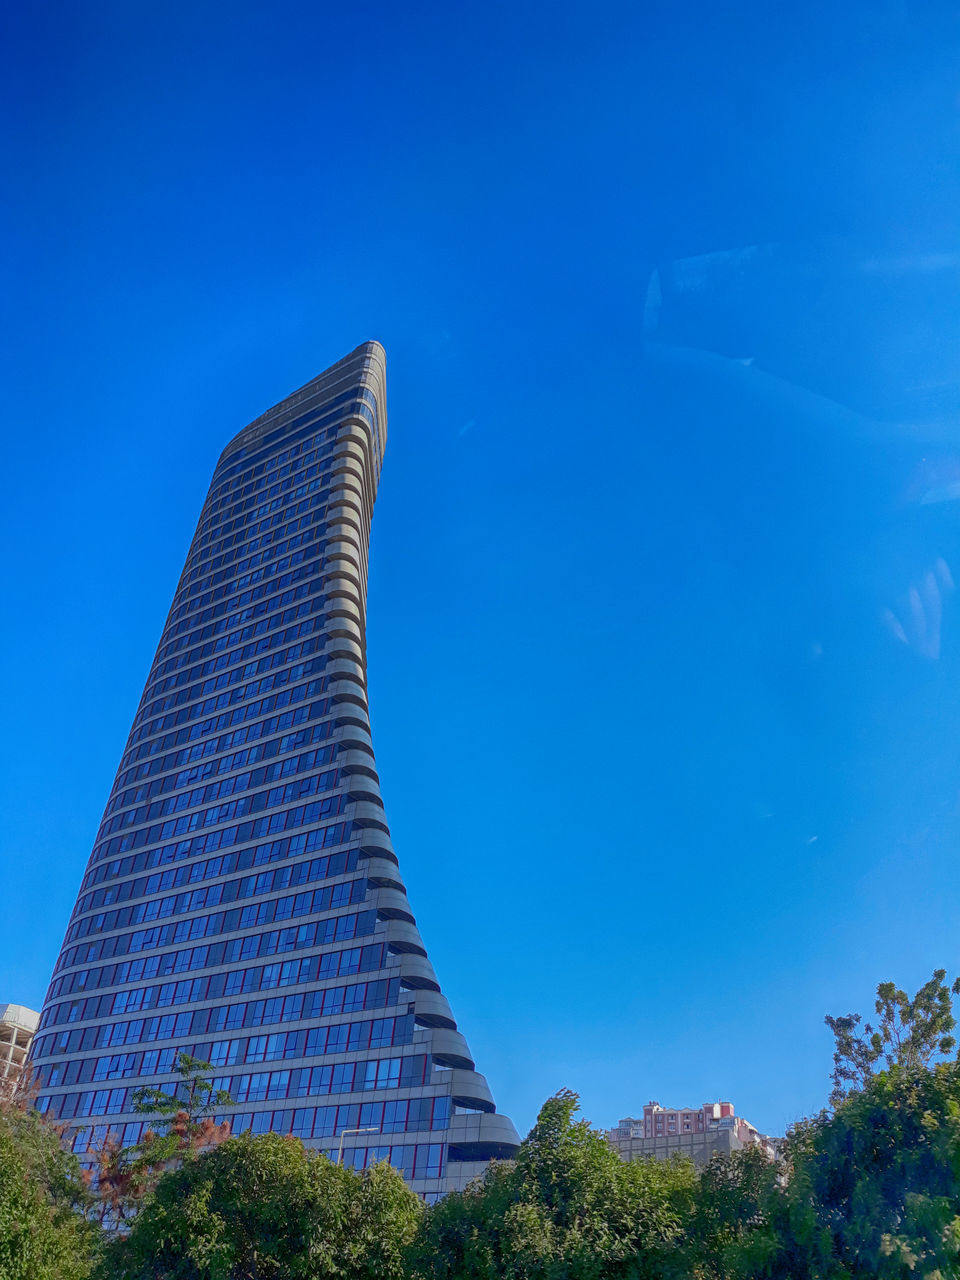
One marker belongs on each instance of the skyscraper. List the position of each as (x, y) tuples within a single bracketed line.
[(243, 901)]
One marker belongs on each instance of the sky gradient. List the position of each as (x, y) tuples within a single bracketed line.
[(596, 611)]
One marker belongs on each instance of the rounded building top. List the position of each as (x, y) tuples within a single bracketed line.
[(18, 1015), (364, 367)]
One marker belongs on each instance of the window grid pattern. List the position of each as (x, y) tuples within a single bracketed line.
[(227, 910)]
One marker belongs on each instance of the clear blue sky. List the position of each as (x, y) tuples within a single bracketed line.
[(663, 789)]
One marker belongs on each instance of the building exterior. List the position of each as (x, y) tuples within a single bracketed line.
[(243, 900), (697, 1133), (17, 1027)]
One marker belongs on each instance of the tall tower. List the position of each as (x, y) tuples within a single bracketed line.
[(243, 901)]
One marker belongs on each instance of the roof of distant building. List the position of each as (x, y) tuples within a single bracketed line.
[(20, 1016)]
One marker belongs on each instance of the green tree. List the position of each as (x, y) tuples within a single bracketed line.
[(910, 1033), (43, 1232), (184, 1126), (184, 1113), (737, 1228), (263, 1208), (874, 1189), (869, 1190), (566, 1209)]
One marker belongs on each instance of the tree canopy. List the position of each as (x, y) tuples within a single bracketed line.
[(183, 1125), (869, 1190), (264, 1208), (44, 1233), (566, 1208), (911, 1033)]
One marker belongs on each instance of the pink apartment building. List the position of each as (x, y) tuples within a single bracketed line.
[(698, 1132)]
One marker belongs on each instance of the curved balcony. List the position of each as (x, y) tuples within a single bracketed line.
[(351, 737), (339, 528), (342, 646), (382, 874), (432, 1010), (368, 814), (340, 627), (449, 1049), (345, 668), (393, 905), (357, 760), (375, 842), (403, 937), (340, 588), (349, 473), (343, 547), (343, 607), (347, 691), (416, 973), (470, 1089), (345, 649), (333, 550), (489, 1136), (344, 569), (350, 715), (346, 556), (348, 457), (352, 505), (360, 786), (346, 505), (352, 444), (364, 790)]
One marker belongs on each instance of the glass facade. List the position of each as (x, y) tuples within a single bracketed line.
[(243, 901)]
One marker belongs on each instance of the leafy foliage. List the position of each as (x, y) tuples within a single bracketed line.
[(184, 1127), (871, 1190), (910, 1033), (193, 1096), (44, 1234), (263, 1208), (875, 1188), (567, 1208), (737, 1227), (868, 1190)]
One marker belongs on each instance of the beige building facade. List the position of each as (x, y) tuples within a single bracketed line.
[(17, 1027), (695, 1132)]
